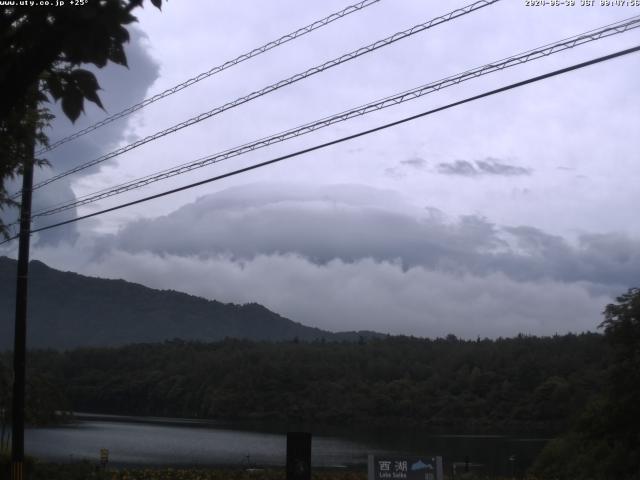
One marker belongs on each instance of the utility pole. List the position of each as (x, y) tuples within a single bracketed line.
[(20, 333)]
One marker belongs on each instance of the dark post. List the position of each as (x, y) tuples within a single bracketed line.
[(20, 334), (298, 456)]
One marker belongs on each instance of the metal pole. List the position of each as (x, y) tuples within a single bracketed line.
[(20, 334)]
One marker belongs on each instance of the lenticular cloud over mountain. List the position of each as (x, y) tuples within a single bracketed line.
[(348, 257)]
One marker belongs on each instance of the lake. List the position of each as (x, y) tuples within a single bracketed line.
[(136, 441)]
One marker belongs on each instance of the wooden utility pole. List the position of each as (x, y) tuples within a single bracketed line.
[(20, 333)]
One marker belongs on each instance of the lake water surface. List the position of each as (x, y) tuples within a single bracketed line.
[(148, 441)]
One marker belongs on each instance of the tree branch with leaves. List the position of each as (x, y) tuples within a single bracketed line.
[(42, 50)]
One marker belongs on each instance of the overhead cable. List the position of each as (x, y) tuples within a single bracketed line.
[(530, 55), (344, 139), (213, 71), (282, 83)]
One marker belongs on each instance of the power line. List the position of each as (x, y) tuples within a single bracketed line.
[(344, 139), (213, 71), (530, 55), (282, 83)]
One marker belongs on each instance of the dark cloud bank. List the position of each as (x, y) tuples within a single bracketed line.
[(352, 223), (120, 88), (350, 257)]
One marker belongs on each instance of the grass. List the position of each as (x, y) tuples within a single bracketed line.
[(86, 470), (222, 474), (91, 471)]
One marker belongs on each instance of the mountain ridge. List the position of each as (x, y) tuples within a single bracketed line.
[(69, 310)]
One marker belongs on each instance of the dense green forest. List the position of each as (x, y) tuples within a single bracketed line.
[(603, 441), (524, 382)]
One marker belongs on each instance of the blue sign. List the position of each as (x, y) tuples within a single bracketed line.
[(383, 467)]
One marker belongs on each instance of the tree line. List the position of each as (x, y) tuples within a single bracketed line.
[(493, 385), (603, 441)]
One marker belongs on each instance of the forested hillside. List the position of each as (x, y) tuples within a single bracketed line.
[(523, 382)]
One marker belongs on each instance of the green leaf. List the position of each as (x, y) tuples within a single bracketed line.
[(117, 55), (72, 104), (93, 97), (85, 77), (54, 85), (121, 35), (86, 82)]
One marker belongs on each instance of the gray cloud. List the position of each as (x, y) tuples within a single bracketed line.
[(352, 223), (415, 162), (393, 172), (397, 172), (488, 166), (459, 167), (121, 87), (321, 223), (350, 257), (493, 167), (54, 193)]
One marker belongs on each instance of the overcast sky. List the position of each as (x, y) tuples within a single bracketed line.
[(513, 214)]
